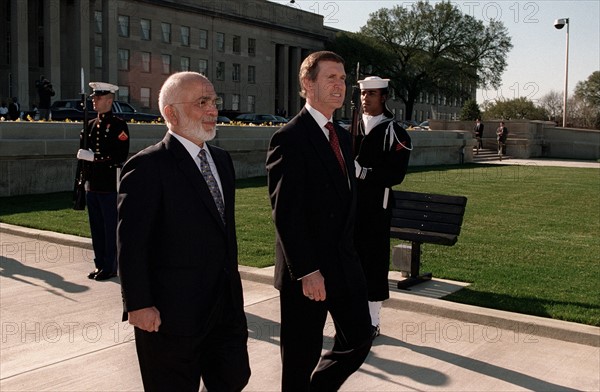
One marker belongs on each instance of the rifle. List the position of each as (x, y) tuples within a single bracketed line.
[(81, 172), (355, 107)]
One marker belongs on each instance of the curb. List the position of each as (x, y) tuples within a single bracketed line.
[(526, 325)]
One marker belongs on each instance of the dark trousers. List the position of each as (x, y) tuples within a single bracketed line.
[(102, 213), (177, 363), (302, 324)]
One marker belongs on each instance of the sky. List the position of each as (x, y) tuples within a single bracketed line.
[(536, 63)]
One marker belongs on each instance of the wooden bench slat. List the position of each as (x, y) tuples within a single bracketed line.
[(440, 227), (420, 236), (424, 197), (428, 216), (429, 206)]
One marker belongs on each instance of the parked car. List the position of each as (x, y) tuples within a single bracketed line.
[(409, 124), (424, 126), (71, 109), (258, 119), (223, 120)]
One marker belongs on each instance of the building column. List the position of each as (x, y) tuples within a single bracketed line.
[(19, 83), (52, 44), (82, 50), (282, 65), (294, 84), (110, 53)]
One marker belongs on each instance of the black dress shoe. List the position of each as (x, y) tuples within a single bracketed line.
[(93, 274), (105, 275), (375, 331)]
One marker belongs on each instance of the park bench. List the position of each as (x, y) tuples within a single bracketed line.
[(425, 218)]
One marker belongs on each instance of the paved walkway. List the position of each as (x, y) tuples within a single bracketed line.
[(544, 162), (62, 332)]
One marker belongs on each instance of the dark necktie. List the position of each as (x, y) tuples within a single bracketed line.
[(212, 183), (335, 146)]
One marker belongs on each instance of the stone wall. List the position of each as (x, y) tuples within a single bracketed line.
[(39, 157), (535, 139)]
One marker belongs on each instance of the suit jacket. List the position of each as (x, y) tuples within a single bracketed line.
[(174, 251), (313, 206)]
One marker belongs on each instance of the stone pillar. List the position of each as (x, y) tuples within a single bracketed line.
[(110, 52), (282, 65), (82, 50), (52, 41), (294, 90), (20, 53)]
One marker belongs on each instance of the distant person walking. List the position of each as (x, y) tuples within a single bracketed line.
[(14, 109), (45, 92), (501, 135), (3, 110), (478, 131)]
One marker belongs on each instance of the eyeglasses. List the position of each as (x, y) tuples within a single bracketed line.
[(204, 102)]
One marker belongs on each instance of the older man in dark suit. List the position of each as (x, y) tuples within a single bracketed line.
[(312, 190), (177, 250)]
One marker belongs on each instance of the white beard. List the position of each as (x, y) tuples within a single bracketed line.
[(196, 130)]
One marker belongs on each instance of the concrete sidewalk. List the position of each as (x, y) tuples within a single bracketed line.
[(62, 332)]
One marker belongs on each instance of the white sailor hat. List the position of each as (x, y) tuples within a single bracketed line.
[(373, 82), (101, 88)]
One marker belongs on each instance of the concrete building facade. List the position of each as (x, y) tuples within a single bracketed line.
[(250, 50)]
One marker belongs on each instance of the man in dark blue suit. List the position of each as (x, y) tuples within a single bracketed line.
[(177, 250), (313, 195)]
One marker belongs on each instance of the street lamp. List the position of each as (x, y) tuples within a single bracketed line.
[(559, 24)]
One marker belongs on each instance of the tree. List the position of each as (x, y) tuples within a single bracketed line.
[(552, 103), (589, 90), (513, 109), (470, 111), (430, 49)]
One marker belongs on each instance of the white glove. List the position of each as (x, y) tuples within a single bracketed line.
[(85, 155), (360, 172)]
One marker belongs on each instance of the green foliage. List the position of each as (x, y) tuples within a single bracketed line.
[(470, 111), (589, 90), (433, 49), (514, 109)]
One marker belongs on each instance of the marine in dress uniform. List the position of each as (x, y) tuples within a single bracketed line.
[(105, 148), (382, 153)]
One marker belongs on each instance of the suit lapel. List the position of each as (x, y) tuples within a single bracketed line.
[(188, 167), (321, 144)]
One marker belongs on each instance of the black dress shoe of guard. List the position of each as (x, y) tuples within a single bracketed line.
[(104, 275), (93, 274), (375, 331)]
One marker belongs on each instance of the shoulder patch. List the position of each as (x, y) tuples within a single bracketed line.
[(123, 136)]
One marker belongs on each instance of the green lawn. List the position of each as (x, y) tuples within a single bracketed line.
[(530, 239)]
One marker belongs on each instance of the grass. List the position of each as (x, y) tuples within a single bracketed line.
[(530, 240)]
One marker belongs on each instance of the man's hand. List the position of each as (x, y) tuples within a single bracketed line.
[(147, 319), (313, 286), (85, 155)]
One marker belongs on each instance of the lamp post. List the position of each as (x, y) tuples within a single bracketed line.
[(559, 24)]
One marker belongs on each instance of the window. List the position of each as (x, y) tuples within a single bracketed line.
[(145, 97), (235, 102), (166, 32), (146, 61), (251, 47), (123, 60), (235, 75), (221, 42), (98, 56), (98, 21), (166, 63), (123, 93), (220, 105), (203, 39), (203, 67), (185, 36), (145, 29), (220, 70), (123, 21), (251, 103), (237, 44), (185, 63), (251, 74)]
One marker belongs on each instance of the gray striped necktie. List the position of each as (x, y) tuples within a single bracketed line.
[(212, 183)]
